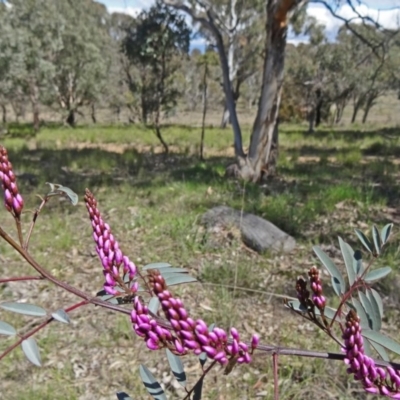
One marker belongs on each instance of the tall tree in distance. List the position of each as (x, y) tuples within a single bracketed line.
[(31, 35), (83, 62), (154, 45), (261, 158)]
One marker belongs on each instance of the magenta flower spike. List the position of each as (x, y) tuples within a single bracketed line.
[(316, 287), (375, 379), (194, 336), (13, 201), (115, 263)]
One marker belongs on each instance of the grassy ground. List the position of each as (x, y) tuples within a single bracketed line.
[(329, 183)]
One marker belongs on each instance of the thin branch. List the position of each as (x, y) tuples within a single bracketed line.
[(38, 328), (21, 278)]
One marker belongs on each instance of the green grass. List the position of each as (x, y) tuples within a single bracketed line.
[(328, 183)]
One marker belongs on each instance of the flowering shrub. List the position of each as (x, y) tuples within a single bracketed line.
[(161, 319)]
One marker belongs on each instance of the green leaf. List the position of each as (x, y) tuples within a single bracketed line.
[(384, 341), (336, 285), (375, 310), (202, 358), (377, 274), (123, 396), (328, 312), (364, 321), (377, 239), (30, 349), (385, 233), (297, 306), (177, 368), (61, 316), (378, 299), (23, 308), (373, 314), (169, 270), (348, 257), (337, 279), (380, 350), (198, 388), (151, 384), (154, 305), (7, 329), (56, 189), (179, 279), (364, 240), (367, 348), (357, 263), (156, 266)]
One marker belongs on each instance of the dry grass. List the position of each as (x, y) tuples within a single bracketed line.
[(329, 184)]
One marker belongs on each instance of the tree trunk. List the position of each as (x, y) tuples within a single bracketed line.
[(34, 96), (93, 113), (368, 106), (36, 119), (71, 118), (355, 112), (225, 118), (4, 111), (311, 120), (203, 122), (260, 162)]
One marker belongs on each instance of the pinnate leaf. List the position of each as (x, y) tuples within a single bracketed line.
[(7, 329), (364, 240), (179, 279), (385, 233), (154, 305), (56, 189), (123, 396), (197, 390), (377, 274), (384, 341), (157, 265), (380, 350), (357, 263), (348, 257), (177, 368), (31, 350), (151, 384), (337, 279), (61, 316), (373, 293), (24, 308), (373, 314), (377, 239), (364, 321)]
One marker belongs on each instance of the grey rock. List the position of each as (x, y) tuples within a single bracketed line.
[(257, 233)]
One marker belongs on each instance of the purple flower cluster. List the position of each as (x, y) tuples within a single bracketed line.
[(109, 252), (188, 335), (316, 287), (12, 199), (147, 327), (375, 379), (302, 293)]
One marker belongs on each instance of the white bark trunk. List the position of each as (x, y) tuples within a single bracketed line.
[(206, 17), (261, 160)]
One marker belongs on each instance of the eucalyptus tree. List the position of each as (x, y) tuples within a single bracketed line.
[(118, 94), (83, 62), (261, 157), (154, 45), (31, 33)]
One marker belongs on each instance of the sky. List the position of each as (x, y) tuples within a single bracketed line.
[(386, 12)]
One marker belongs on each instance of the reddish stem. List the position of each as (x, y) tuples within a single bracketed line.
[(35, 215), (21, 278)]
